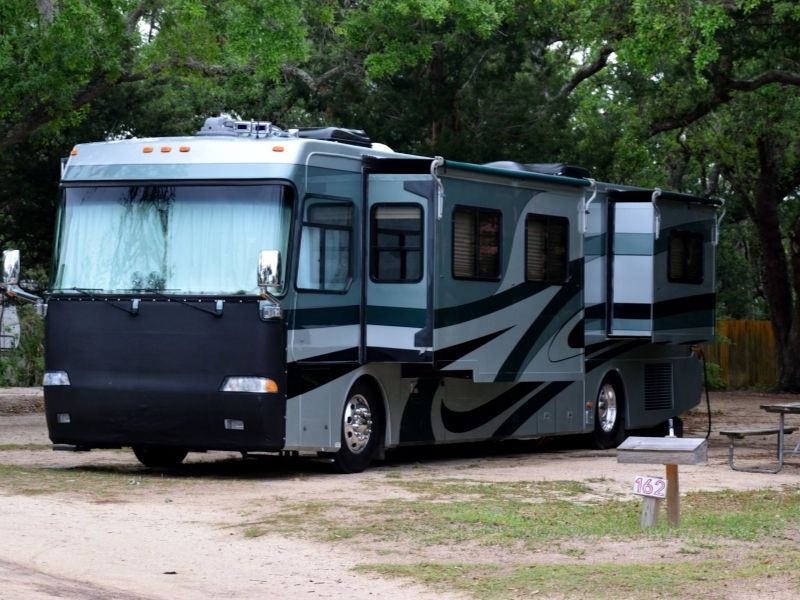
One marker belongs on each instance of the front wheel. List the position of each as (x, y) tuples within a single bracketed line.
[(608, 429), (361, 429), (159, 456)]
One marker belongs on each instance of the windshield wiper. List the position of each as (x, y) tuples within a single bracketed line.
[(217, 312), (92, 293), (134, 310)]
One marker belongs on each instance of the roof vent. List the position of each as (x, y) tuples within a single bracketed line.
[(561, 169)]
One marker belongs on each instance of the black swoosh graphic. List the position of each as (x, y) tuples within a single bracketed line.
[(463, 421), (530, 408)]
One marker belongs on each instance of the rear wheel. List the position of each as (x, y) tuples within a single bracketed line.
[(608, 429), (362, 425), (159, 456)]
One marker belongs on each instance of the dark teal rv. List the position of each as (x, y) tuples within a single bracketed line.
[(256, 290)]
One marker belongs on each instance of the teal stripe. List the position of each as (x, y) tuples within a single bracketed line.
[(595, 245), (323, 317), (633, 244), (631, 324), (396, 316), (595, 325)]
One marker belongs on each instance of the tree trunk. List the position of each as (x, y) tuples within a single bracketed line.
[(438, 80), (778, 280)]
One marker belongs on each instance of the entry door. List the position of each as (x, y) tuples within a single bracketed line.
[(398, 268)]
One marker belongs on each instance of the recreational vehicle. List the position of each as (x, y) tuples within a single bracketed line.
[(308, 291)]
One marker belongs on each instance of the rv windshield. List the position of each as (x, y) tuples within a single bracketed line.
[(169, 239)]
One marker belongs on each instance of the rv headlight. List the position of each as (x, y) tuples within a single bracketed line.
[(254, 385), (56, 378)]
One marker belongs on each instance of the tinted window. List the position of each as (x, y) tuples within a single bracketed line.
[(396, 243), (476, 243), (546, 244), (685, 257), (325, 247)]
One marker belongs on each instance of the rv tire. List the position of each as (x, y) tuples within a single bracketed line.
[(608, 429), (159, 456), (362, 424)]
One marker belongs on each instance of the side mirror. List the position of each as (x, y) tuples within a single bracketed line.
[(10, 279), (269, 269), (10, 267)]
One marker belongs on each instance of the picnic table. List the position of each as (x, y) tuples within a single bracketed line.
[(781, 431)]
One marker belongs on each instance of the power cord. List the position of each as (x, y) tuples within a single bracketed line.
[(699, 351)]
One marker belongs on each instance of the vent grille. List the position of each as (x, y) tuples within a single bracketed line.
[(658, 386)]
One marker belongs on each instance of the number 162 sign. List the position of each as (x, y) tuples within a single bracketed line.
[(653, 487)]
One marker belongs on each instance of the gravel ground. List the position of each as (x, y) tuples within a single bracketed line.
[(148, 544)]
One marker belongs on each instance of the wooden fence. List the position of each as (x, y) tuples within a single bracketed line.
[(745, 352)]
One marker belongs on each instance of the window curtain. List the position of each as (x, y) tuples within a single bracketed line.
[(184, 239)]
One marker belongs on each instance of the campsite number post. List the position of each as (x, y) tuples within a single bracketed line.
[(669, 451)]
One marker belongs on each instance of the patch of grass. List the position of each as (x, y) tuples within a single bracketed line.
[(292, 520), (740, 515), (532, 515), (664, 579), (104, 483), (25, 447), (521, 490)]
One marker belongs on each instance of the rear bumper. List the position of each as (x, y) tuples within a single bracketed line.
[(196, 421)]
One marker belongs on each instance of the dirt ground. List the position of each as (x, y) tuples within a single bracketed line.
[(176, 541)]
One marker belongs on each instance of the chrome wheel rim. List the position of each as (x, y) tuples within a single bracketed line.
[(607, 407), (357, 423)]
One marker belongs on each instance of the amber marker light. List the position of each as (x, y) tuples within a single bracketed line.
[(185, 148), (74, 152), (166, 149), (147, 149), (277, 148)]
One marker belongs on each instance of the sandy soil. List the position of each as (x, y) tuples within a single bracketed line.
[(176, 541)]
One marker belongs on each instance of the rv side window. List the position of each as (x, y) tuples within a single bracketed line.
[(325, 246), (476, 243), (546, 243), (396, 243), (685, 257)]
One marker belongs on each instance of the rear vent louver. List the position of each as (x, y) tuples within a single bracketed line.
[(658, 387)]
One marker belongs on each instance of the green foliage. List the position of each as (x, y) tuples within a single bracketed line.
[(24, 365), (53, 65), (713, 375), (471, 80)]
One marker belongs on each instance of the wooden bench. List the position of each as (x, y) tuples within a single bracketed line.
[(740, 434)]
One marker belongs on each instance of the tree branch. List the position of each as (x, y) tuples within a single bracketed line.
[(37, 116), (721, 94), (313, 83), (47, 11), (587, 71)]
